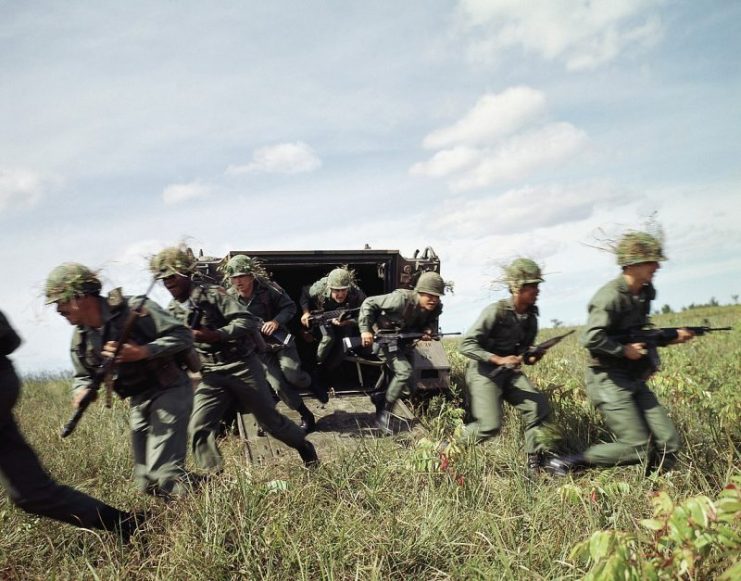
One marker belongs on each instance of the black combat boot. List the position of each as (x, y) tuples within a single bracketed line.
[(379, 400), (564, 465), (534, 464), (308, 454), (308, 422), (383, 418)]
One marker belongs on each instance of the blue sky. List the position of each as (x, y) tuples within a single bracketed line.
[(487, 129)]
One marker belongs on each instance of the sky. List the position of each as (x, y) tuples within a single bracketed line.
[(486, 129)]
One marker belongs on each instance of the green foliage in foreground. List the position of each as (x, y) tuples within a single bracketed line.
[(396, 508)]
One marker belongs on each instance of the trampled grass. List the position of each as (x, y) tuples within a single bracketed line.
[(388, 509)]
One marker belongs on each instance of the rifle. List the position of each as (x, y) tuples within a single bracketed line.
[(391, 339), (106, 372), (324, 318), (657, 337), (532, 355), (280, 338)]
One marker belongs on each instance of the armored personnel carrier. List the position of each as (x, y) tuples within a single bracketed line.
[(376, 272)]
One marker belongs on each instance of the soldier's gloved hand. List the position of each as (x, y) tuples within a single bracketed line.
[(634, 351), (80, 394), (366, 339), (268, 328), (129, 352), (206, 336), (305, 319)]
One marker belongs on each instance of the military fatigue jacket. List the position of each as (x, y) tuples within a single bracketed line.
[(163, 335), (499, 330), (268, 302), (397, 310), (9, 341), (318, 297), (613, 310), (223, 313)]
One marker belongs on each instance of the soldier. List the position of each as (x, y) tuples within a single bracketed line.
[(336, 291), (405, 310), (149, 370), (495, 344), (616, 374), (30, 487), (231, 372), (267, 301)]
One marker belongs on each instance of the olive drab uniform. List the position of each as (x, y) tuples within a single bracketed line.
[(398, 310), (500, 330), (615, 385), (30, 487), (318, 297), (269, 302), (231, 373), (159, 389)]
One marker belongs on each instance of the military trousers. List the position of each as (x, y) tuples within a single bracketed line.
[(28, 484), (159, 438), (241, 384), (284, 374), (485, 396), (634, 416), (402, 371)]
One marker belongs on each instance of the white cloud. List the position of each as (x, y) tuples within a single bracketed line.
[(519, 156), (583, 35), (177, 193), (523, 210), (447, 162), (492, 117), (287, 158), (19, 187)]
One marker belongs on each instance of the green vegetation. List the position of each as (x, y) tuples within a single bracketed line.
[(396, 508)]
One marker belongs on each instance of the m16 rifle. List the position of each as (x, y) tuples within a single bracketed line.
[(324, 318), (392, 339), (655, 337), (105, 375), (532, 355)]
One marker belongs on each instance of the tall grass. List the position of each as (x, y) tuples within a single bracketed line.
[(389, 508)]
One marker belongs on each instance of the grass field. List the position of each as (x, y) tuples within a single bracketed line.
[(392, 508)]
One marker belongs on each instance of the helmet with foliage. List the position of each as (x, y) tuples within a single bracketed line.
[(173, 260), (70, 280), (637, 247), (430, 283), (241, 265), (522, 271), (339, 278)]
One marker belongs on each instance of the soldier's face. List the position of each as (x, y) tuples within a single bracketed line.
[(428, 302), (244, 284), (644, 271), (179, 286), (70, 310), (339, 295), (528, 294)]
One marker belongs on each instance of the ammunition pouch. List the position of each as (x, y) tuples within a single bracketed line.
[(189, 360), (153, 373)]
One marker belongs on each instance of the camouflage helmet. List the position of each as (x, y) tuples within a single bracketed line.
[(430, 283), (173, 260), (240, 265), (522, 271), (339, 278), (638, 247), (70, 280)]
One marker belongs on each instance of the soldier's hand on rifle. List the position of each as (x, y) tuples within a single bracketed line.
[(634, 351), (426, 335), (206, 336), (80, 394), (366, 339), (507, 360), (683, 335), (268, 328), (129, 352), (305, 319)]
